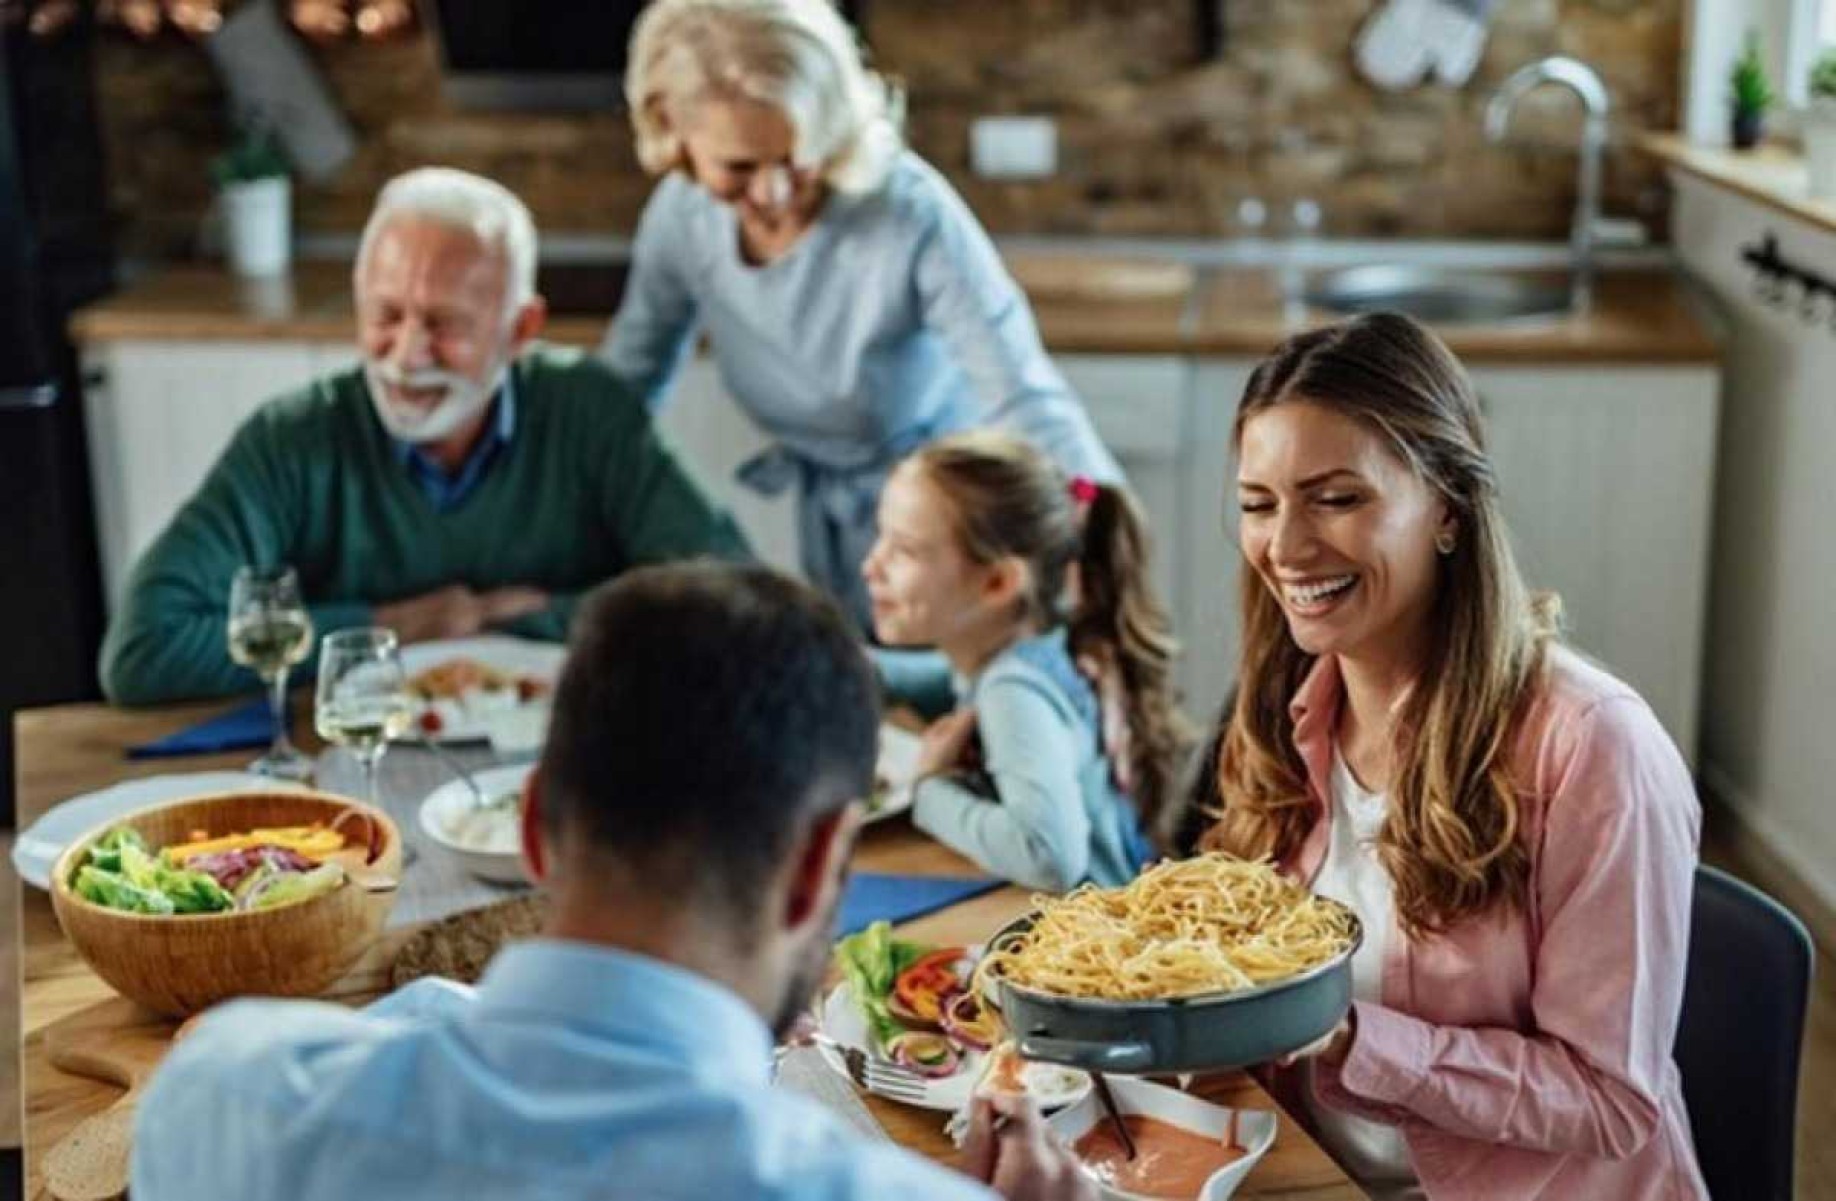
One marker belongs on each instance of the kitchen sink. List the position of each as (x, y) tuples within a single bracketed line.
[(1439, 297)]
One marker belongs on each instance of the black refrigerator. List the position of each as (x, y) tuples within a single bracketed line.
[(55, 254)]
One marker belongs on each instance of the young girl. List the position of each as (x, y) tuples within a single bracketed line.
[(1031, 585)]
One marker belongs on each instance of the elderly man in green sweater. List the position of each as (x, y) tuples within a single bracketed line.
[(459, 480)]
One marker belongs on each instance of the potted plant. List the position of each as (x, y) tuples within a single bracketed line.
[(255, 196), (1750, 95), (1820, 127)]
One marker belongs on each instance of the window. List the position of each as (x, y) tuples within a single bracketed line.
[(1813, 30)]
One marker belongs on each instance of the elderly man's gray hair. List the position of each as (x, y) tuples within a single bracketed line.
[(483, 207)]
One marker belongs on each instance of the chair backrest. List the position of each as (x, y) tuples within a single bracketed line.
[(1744, 1002)]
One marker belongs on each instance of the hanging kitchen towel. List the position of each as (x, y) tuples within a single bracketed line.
[(1407, 39), (249, 725), (270, 78), (872, 897), (1456, 37)]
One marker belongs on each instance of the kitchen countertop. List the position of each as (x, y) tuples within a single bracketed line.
[(1770, 174), (1088, 305)]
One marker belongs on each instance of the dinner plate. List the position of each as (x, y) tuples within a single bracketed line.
[(507, 723), (36, 850), (841, 1019), (895, 772)]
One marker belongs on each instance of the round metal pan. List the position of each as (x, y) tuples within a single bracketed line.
[(1207, 1032)]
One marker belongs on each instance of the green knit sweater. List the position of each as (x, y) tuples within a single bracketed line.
[(585, 489)]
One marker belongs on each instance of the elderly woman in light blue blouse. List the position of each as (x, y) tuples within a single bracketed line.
[(853, 304)]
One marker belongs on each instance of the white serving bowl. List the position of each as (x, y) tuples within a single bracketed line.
[(1255, 1129), (445, 803)]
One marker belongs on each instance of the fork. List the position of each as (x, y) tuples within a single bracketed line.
[(452, 764), (889, 1080)]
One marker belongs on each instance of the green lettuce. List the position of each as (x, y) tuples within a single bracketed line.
[(870, 961), (123, 874), (105, 852), (189, 891), (115, 891)]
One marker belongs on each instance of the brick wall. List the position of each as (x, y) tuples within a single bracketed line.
[(1152, 140)]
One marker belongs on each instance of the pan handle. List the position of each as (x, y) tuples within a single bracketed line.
[(1092, 1057)]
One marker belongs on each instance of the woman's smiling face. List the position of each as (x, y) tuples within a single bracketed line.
[(1341, 530)]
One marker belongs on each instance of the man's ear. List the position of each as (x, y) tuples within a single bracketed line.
[(528, 324), (532, 829), (819, 865)]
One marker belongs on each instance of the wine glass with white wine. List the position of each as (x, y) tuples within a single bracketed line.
[(363, 698), (269, 631)]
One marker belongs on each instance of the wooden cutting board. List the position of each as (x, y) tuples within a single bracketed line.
[(90, 1162)]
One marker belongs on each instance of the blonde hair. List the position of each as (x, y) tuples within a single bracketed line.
[(1007, 499), (1452, 840), (797, 55), (458, 199)]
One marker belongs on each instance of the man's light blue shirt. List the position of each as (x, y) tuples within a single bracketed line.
[(571, 1071), (446, 490)]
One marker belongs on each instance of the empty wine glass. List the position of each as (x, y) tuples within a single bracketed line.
[(270, 631), (363, 698)]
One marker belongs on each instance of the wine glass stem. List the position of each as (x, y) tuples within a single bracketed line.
[(277, 702)]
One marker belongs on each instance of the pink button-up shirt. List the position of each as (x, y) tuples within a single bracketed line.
[(1527, 1053)]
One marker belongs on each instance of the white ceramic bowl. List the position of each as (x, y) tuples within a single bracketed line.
[(1255, 1128), (445, 803)]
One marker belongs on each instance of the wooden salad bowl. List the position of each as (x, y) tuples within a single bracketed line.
[(177, 965)]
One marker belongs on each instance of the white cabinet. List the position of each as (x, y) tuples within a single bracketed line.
[(1213, 563), (158, 415), (1607, 478)]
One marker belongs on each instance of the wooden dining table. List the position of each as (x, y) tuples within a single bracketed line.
[(69, 750)]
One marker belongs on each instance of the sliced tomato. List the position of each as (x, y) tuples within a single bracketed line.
[(430, 722), (923, 987)]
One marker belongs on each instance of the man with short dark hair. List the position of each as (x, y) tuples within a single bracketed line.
[(692, 817)]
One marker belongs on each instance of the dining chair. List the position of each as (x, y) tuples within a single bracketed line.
[(1742, 1026)]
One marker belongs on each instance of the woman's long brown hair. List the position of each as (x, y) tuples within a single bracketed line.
[(1008, 500), (1451, 839)]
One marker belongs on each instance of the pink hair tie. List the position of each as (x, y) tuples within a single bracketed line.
[(1083, 490)]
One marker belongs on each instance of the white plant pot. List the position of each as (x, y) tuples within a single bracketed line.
[(1819, 128), (258, 226)]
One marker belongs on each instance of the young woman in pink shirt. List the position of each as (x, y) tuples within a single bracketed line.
[(1513, 826)]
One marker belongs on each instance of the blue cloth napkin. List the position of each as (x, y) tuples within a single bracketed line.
[(249, 725), (872, 897)]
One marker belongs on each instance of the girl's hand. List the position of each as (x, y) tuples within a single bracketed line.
[(947, 743)]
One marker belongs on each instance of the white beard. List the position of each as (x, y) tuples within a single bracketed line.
[(465, 398)]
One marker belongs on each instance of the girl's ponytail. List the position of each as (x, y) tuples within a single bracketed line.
[(1121, 631)]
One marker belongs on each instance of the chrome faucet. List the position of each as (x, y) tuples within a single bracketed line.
[(1577, 75)]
